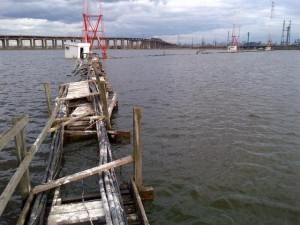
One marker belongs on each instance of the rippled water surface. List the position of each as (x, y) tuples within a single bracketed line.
[(221, 132)]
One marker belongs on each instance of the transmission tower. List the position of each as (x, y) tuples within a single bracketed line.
[(286, 34), (283, 34), (93, 24), (271, 20)]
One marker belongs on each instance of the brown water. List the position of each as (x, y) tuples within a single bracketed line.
[(220, 131)]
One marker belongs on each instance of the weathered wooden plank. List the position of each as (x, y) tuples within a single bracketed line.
[(139, 203), (66, 84), (82, 174), (78, 134), (112, 104), (76, 213), (11, 133), (11, 186), (48, 97), (137, 148), (75, 97), (87, 118)]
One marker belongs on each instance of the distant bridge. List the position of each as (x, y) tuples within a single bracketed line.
[(57, 42)]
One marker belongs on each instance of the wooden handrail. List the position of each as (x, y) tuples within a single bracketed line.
[(11, 133), (82, 174)]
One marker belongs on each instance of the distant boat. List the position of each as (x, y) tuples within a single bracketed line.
[(232, 48), (268, 48)]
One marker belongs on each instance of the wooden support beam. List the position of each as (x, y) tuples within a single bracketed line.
[(11, 133), (14, 181), (21, 150), (48, 97), (137, 148), (104, 104), (112, 104), (139, 203), (82, 174), (70, 121), (25, 210)]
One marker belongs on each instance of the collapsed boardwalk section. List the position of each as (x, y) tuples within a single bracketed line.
[(83, 109)]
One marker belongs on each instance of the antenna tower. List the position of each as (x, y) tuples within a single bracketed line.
[(271, 20), (93, 24)]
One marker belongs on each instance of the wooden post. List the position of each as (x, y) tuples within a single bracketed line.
[(48, 97), (21, 150), (137, 148), (104, 104)]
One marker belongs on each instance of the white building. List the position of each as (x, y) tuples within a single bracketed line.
[(76, 50)]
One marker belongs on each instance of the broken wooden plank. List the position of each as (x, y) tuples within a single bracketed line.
[(70, 121), (82, 174)]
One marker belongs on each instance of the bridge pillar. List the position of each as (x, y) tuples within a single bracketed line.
[(7, 43), (20, 43), (122, 43), (107, 43), (129, 44), (3, 44), (115, 43)]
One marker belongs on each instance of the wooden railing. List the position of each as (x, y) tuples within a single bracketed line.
[(24, 157)]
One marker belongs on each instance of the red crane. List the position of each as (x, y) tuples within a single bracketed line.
[(93, 24)]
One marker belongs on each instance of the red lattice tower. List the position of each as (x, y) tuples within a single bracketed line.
[(235, 35), (93, 24)]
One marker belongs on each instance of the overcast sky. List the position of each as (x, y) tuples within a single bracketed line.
[(175, 21)]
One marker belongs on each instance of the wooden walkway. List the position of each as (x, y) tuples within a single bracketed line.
[(82, 109)]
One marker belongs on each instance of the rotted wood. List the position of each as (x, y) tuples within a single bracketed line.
[(21, 150), (82, 174)]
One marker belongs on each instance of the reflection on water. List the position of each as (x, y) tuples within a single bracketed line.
[(220, 131)]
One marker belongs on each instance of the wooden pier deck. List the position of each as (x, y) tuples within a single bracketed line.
[(83, 109)]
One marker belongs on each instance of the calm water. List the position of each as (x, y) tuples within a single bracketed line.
[(221, 132)]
